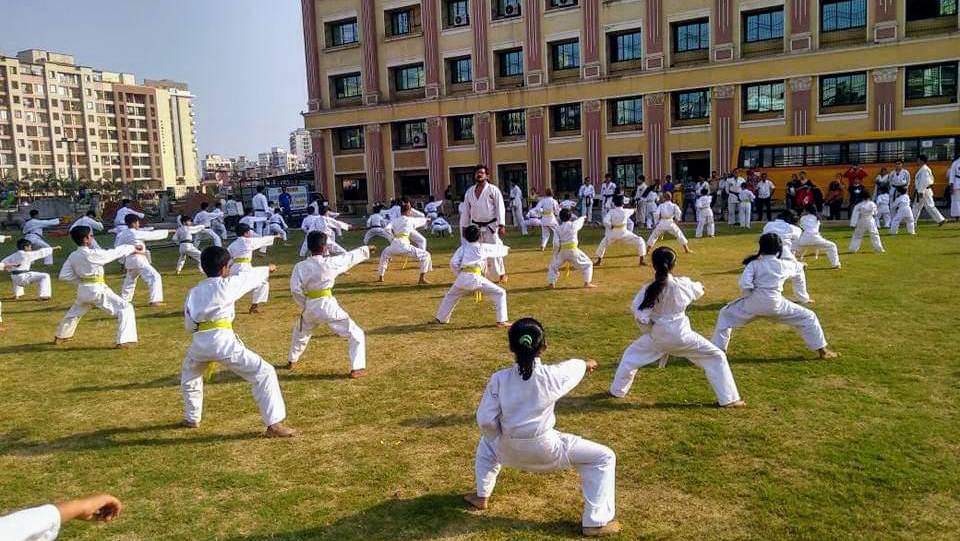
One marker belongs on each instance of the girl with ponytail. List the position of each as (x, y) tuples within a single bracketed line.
[(660, 310), (516, 417), (762, 297)]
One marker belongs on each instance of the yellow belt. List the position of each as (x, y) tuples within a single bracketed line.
[(401, 236), (215, 324), (472, 270), (623, 226), (92, 281), (243, 260), (568, 246), (547, 213), (318, 293)]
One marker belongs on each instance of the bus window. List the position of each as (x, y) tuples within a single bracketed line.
[(788, 156), (750, 158), (864, 152), (940, 149), (904, 149), (824, 154)]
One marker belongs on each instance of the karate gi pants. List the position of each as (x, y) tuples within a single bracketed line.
[(554, 451), (586, 209), (259, 295), (800, 282), (770, 305), (905, 217), (274, 229), (213, 236), (650, 218), (401, 249), (614, 236), (817, 242), (677, 339), (187, 249), (870, 230), (100, 296), (926, 202), (417, 239), (493, 237), (882, 218), (376, 232), (517, 213), (733, 206), (38, 243), (577, 258), (150, 277), (326, 311), (545, 232), (666, 226), (441, 230), (463, 287), (21, 281), (746, 213), (705, 222), (222, 346), (220, 231)]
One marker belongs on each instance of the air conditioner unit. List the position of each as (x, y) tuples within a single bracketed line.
[(509, 9), (419, 140), (458, 21)]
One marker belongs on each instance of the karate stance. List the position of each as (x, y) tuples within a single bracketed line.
[(85, 267), (734, 183), (33, 231), (18, 264), (761, 286), (206, 218), (516, 208), (260, 210), (516, 417), (569, 251), (660, 310), (863, 219), (607, 190), (184, 239), (585, 194), (241, 251), (3, 267), (902, 213), (924, 183), (746, 205), (483, 207), (705, 214), (120, 219), (439, 226), (785, 228), (883, 208), (668, 213), (43, 523), (548, 208), (89, 220), (312, 287), (650, 198), (617, 228), (138, 265), (811, 238), (276, 225), (376, 226), (400, 245), (208, 313), (468, 264)]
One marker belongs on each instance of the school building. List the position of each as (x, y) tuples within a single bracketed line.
[(406, 95)]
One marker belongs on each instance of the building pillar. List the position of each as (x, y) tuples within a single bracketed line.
[(431, 53), (320, 180), (435, 147), (532, 48), (801, 39), (800, 105), (371, 65), (654, 118), (481, 56), (591, 39), (653, 36), (376, 175), (885, 22), (312, 53), (535, 154), (594, 139), (723, 50), (885, 92), (481, 133), (724, 112)]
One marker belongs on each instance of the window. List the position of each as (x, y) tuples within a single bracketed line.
[(691, 106), (461, 179), (350, 138), (626, 46), (347, 86), (626, 113), (932, 85), (504, 9), (461, 129), (691, 36), (567, 176), (930, 9), (458, 13), (763, 98), (510, 63), (353, 188), (554, 4), (848, 91), (626, 170), (460, 72), (410, 134), (565, 118), (510, 173), (763, 25), (842, 15), (512, 125), (342, 33), (404, 21), (565, 55), (409, 77)]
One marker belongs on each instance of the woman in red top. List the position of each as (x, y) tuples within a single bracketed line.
[(834, 199)]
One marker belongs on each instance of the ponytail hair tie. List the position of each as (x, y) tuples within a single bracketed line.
[(526, 340)]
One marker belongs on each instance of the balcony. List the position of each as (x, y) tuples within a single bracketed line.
[(932, 26)]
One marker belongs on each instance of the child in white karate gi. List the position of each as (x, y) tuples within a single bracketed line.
[(864, 221), (883, 208), (668, 213), (785, 228), (376, 226), (184, 238), (617, 228), (33, 231), (548, 208), (3, 267), (746, 205), (329, 226), (811, 238), (516, 417), (207, 218), (276, 225), (902, 214), (312, 287), (43, 523), (241, 251), (20, 274), (89, 220), (660, 310), (138, 265), (569, 251), (402, 228), (208, 313), (533, 218), (439, 226), (255, 223), (416, 238), (85, 267), (761, 286), (705, 214), (469, 264), (311, 222), (650, 198)]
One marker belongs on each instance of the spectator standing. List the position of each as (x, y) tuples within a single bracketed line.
[(857, 193), (689, 198), (834, 198), (765, 189)]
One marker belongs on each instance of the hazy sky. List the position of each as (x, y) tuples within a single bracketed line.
[(243, 59)]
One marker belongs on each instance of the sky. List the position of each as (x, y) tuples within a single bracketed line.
[(243, 59)]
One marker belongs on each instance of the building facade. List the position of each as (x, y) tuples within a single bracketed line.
[(406, 95), (300, 145), (57, 117)]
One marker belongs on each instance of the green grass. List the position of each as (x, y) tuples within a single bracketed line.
[(865, 447)]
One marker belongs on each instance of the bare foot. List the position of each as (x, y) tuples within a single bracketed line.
[(357, 374), (476, 501), (643, 262), (611, 395), (503, 324), (291, 366), (126, 345), (736, 404), (43, 299), (826, 354), (189, 424), (279, 430), (437, 322), (61, 340), (158, 304), (254, 309), (380, 280), (687, 250), (599, 261), (552, 286), (423, 281), (590, 285), (610, 528), (503, 279)]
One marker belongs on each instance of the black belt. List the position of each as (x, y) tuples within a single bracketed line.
[(18, 272), (186, 242), (485, 224)]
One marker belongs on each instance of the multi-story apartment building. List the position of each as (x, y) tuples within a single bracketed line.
[(279, 159), (301, 147), (57, 117), (406, 95)]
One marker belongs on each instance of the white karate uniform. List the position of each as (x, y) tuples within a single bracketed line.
[(331, 226), (924, 181), (650, 209), (617, 229), (432, 209), (277, 226), (33, 231), (211, 303), (3, 238), (533, 218), (260, 210), (733, 202), (87, 221), (485, 211), (569, 251), (35, 524), (184, 238), (705, 216), (440, 226), (548, 209), (311, 284), (789, 234), (22, 276), (400, 245), (902, 214), (256, 224), (241, 254), (85, 267), (586, 193), (863, 220), (668, 332), (376, 227), (883, 210), (517, 420), (516, 209), (953, 178), (899, 178), (568, 204), (761, 286), (746, 207), (469, 263), (120, 219), (139, 266), (668, 214), (311, 222), (607, 191), (207, 219), (811, 238)]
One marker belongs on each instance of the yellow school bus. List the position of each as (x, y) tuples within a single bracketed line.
[(823, 156)]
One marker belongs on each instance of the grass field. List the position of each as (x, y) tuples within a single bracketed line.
[(864, 447)]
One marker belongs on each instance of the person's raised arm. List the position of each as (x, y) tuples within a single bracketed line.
[(102, 257), (239, 285)]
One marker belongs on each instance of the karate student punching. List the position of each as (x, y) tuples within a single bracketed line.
[(33, 231), (18, 264), (208, 313), (548, 208), (402, 228), (207, 218), (276, 225), (668, 213), (617, 229), (569, 251), (89, 220), (312, 287), (761, 288), (660, 310), (138, 265), (516, 419), (883, 207), (43, 523), (85, 267), (705, 214), (184, 239), (241, 251), (863, 219), (811, 238), (785, 228), (902, 214), (469, 263)]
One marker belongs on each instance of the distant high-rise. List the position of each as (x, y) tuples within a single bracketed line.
[(300, 145)]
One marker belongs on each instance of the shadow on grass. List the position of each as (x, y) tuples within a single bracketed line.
[(433, 516), (50, 346), (373, 288), (605, 402), (722, 272), (706, 307), (426, 327), (165, 381), (439, 421), (756, 360), (161, 314)]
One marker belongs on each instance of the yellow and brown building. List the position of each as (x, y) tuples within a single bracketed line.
[(406, 95)]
